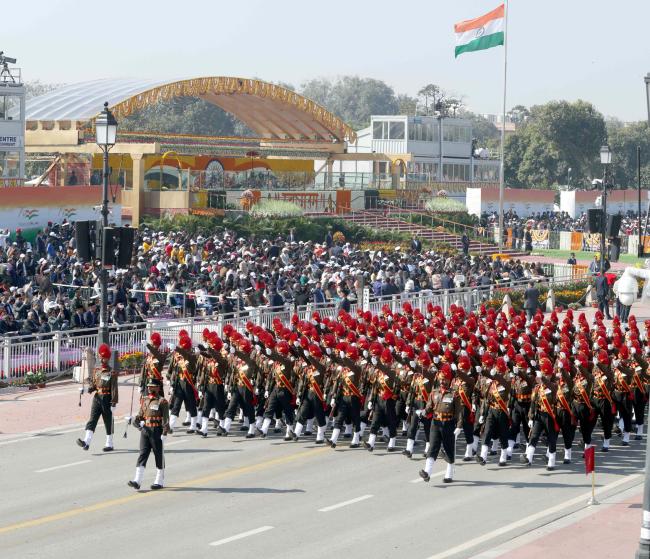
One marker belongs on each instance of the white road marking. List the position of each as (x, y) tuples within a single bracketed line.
[(179, 441), (62, 466), (345, 503), (531, 518), (242, 535)]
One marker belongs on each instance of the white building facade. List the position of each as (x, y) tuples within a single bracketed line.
[(419, 139)]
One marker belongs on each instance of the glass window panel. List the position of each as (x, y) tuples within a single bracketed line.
[(396, 130)]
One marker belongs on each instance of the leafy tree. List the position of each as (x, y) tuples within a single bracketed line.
[(407, 105), (623, 141), (353, 99), (554, 137), (431, 94), (185, 115)]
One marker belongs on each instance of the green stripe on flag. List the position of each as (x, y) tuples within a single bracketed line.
[(481, 43)]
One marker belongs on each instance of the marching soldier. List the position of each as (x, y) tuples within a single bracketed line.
[(541, 416), (444, 408), (495, 413), (152, 367), (153, 422), (623, 390), (104, 384), (582, 406), (564, 412), (387, 384), (210, 382), (416, 401), (314, 403), (182, 373), (241, 389), (281, 392), (602, 395)]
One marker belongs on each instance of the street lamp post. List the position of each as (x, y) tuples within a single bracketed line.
[(606, 160), (106, 134)]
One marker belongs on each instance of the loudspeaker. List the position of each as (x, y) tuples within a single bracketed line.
[(108, 246), (614, 249), (127, 236), (613, 225), (594, 220), (83, 235)]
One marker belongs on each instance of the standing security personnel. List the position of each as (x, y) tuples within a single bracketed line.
[(445, 410), (153, 422), (104, 383)]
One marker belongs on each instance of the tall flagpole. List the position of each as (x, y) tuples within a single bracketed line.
[(503, 125)]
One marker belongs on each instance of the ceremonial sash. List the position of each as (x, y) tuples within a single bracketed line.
[(605, 391), (351, 386), (317, 390), (499, 400), (387, 393), (548, 409), (466, 403), (639, 384), (214, 373), (247, 382), (285, 381), (565, 404)]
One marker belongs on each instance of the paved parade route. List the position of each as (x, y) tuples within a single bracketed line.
[(252, 498)]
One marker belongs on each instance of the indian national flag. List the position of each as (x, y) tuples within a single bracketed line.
[(481, 33)]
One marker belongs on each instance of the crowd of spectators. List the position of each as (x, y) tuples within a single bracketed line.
[(44, 287)]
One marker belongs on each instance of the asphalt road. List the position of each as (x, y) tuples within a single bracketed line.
[(232, 497)]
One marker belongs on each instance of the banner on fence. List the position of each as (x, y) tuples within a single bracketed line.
[(541, 238)]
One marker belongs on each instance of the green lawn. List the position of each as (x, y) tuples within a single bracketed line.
[(585, 256)]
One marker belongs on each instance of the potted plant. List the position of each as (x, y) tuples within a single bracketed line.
[(35, 380)]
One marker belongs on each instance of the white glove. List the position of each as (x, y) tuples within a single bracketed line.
[(266, 393), (332, 402), (369, 405), (457, 431), (481, 420), (112, 409), (163, 438), (530, 423), (407, 409)]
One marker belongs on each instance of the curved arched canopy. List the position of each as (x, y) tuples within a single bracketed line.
[(270, 110)]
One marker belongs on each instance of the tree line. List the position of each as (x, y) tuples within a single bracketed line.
[(557, 143)]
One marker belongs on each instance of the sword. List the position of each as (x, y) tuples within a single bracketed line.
[(128, 421)]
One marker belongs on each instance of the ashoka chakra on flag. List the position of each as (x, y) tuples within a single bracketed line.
[(481, 33)]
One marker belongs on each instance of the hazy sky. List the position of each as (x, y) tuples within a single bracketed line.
[(597, 50)]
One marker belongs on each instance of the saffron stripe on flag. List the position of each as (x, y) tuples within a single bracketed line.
[(479, 22)]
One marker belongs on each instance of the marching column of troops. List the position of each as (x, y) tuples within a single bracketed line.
[(498, 380)]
